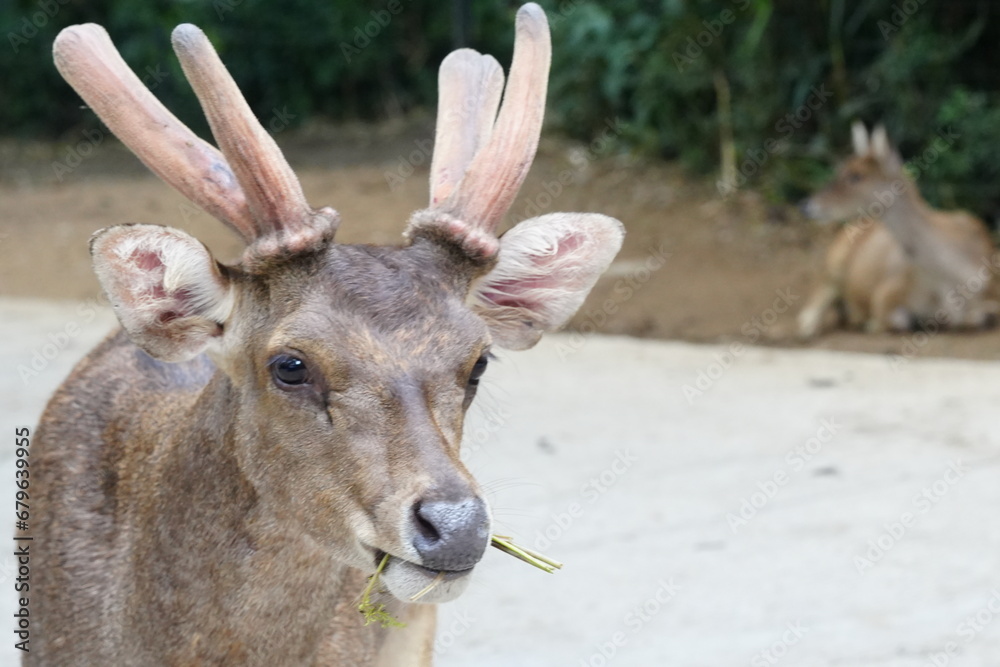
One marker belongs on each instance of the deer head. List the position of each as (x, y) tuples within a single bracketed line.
[(865, 183), (347, 369)]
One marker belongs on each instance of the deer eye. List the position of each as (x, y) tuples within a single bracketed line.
[(289, 371), (854, 177), (478, 369)]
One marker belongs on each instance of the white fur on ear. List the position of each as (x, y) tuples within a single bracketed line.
[(546, 268), (883, 151), (859, 138), (880, 143), (165, 287)]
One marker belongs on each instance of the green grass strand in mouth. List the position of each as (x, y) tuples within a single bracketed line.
[(541, 561), (376, 613)]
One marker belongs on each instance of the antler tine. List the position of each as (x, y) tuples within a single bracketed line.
[(89, 62), (273, 192), (469, 89), (497, 171)]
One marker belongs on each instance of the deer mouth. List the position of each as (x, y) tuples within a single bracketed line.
[(407, 580)]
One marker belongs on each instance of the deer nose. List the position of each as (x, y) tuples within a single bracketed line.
[(451, 534)]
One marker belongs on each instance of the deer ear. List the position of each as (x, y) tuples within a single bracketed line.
[(884, 152), (859, 138), (880, 141), (546, 267), (165, 287)]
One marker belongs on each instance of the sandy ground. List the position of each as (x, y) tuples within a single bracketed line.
[(807, 507), (716, 504), (693, 267)]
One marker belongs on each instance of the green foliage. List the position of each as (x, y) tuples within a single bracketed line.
[(662, 68), (965, 174), (922, 67), (297, 57)]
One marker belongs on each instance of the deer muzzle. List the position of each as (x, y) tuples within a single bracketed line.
[(449, 533)]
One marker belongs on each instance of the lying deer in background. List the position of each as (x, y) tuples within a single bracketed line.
[(901, 263), (218, 479)]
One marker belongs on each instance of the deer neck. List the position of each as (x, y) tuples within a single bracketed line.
[(206, 518), (909, 218)]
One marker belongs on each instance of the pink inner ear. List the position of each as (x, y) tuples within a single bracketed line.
[(506, 299), (179, 299), (571, 242), (147, 260), (167, 317), (148, 286), (545, 272), (150, 264), (515, 293)]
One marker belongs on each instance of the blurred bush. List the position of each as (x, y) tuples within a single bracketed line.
[(772, 86), (757, 93), (329, 58)]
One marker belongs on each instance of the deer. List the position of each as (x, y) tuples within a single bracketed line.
[(219, 477), (901, 263)]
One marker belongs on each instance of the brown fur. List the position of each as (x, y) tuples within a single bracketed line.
[(902, 262), (139, 505), (217, 481)]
